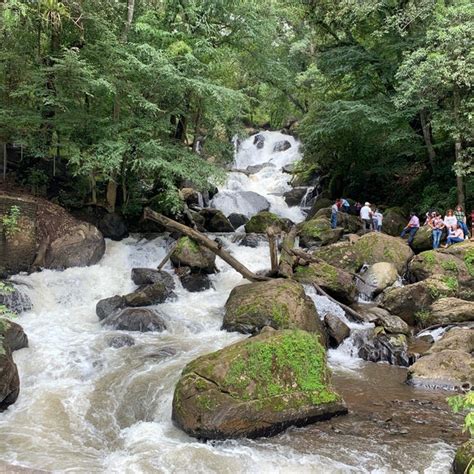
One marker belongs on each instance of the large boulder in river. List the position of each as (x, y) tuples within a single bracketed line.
[(147, 295), (189, 253), (237, 220), (394, 221), (381, 317), (456, 339), (282, 145), (113, 226), (450, 310), (149, 276), (216, 221), (318, 232), (107, 306), (256, 387), (259, 223), (279, 303), (448, 369), (379, 276), (136, 319), (9, 379), (337, 329), (13, 335), (195, 282), (382, 347), (294, 196), (333, 280)]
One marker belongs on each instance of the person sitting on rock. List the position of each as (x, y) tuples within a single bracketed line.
[(455, 235), (334, 213), (366, 216), (460, 216), (411, 228), (430, 215), (437, 225)]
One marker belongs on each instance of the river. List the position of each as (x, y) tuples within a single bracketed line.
[(88, 407)]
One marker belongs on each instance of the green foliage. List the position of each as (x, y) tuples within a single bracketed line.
[(10, 222), (464, 403), (423, 317)]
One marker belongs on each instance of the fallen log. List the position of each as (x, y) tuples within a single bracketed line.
[(167, 256), (204, 241), (349, 311), (272, 242)]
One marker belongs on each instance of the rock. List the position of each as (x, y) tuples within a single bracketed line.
[(382, 347), (216, 221), (278, 303), (450, 310), (198, 220), (391, 324), (422, 240), (350, 223), (463, 460), (261, 221), (412, 302), (107, 306), (320, 203), (136, 319), (371, 248), (295, 195), (248, 203), (194, 282), (149, 276), (380, 276), (254, 169), (9, 379), (191, 196), (252, 240), (113, 226), (13, 298), (456, 339), (281, 146), (449, 369), (289, 168), (237, 220), (80, 245), (394, 221), (317, 232), (338, 283), (259, 141), (188, 253), (147, 295), (337, 329), (121, 340), (13, 335), (256, 387)]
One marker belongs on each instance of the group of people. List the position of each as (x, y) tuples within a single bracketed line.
[(454, 222)]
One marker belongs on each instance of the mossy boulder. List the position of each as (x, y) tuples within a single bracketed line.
[(456, 339), (341, 255), (335, 281), (147, 295), (317, 232), (394, 221), (451, 310), (350, 223), (189, 253), (320, 203), (259, 223), (256, 387), (448, 369), (279, 303), (464, 458), (412, 302), (379, 276), (216, 221), (422, 240)]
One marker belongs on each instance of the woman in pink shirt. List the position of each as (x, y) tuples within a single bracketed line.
[(455, 235)]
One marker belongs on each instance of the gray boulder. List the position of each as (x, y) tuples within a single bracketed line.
[(147, 295), (337, 330), (149, 276), (113, 226), (107, 306), (237, 220), (136, 319), (13, 335), (9, 379), (295, 195), (282, 145)]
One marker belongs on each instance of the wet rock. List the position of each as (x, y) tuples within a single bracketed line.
[(382, 347), (259, 141), (463, 460), (394, 221), (9, 379), (337, 329), (450, 310), (216, 221), (252, 240), (254, 169), (80, 245), (195, 282), (380, 276), (392, 324), (189, 253), (318, 232), (295, 195), (422, 240), (279, 303), (191, 196), (113, 226), (148, 295), (449, 369), (199, 220), (13, 335), (107, 306), (456, 339), (333, 280), (14, 298), (256, 387), (289, 168), (149, 276), (261, 221), (136, 319), (121, 340), (237, 220), (281, 146)]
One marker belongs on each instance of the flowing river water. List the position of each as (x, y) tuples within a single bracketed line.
[(88, 407)]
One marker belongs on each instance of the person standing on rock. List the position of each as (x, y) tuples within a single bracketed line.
[(344, 206), (460, 216), (378, 220), (437, 225), (334, 213), (411, 228), (366, 216)]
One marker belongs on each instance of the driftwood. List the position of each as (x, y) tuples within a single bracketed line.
[(353, 314), (204, 241), (272, 234), (287, 257), (167, 256)]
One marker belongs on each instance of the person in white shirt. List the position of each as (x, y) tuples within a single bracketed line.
[(334, 213), (366, 216), (378, 219), (450, 220)]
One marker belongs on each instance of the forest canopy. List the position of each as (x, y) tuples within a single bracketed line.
[(119, 102)]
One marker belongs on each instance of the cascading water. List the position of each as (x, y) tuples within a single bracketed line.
[(87, 407)]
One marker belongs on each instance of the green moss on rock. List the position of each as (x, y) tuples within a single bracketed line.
[(260, 222)]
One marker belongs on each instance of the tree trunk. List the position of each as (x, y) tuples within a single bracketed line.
[(205, 241), (5, 159), (457, 151), (128, 24), (427, 136), (272, 241), (111, 194)]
